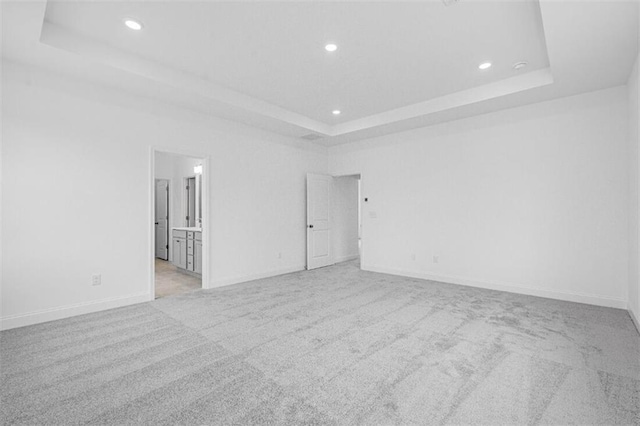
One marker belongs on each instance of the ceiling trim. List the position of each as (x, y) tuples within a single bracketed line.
[(61, 38), (207, 91), (505, 87)]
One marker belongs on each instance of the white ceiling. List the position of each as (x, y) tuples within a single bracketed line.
[(399, 65), (390, 54)]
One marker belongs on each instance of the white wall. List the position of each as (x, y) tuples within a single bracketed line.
[(76, 195), (1, 171), (184, 169), (634, 198), (165, 165), (344, 218), (532, 200)]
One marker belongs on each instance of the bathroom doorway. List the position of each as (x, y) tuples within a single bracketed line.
[(179, 238)]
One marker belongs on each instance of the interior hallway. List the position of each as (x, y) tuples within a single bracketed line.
[(335, 345)]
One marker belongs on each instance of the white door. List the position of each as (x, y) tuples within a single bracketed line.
[(162, 219), (318, 221)]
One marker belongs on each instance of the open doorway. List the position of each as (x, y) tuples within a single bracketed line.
[(334, 225), (178, 224), (346, 223)]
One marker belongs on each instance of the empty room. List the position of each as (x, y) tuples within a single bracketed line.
[(320, 212)]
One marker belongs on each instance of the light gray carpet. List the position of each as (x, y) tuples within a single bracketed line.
[(330, 346)]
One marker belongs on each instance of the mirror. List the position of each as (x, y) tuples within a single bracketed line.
[(193, 204)]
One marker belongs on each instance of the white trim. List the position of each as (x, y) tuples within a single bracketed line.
[(251, 277), (51, 314), (205, 222), (151, 244), (634, 319), (345, 258), (202, 88), (510, 288), (208, 92)]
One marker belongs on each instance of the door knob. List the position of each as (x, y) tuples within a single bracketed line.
[(157, 223), (310, 226)]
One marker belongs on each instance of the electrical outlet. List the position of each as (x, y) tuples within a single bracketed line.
[(413, 256), (96, 279), (279, 255), (436, 259)]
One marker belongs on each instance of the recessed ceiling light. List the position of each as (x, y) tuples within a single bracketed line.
[(520, 65), (331, 47), (485, 65), (133, 24), (336, 112)]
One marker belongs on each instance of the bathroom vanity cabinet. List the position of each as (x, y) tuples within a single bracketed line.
[(186, 245)]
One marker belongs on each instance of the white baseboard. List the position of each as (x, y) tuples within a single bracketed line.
[(570, 297), (251, 277), (346, 258), (635, 320), (45, 315)]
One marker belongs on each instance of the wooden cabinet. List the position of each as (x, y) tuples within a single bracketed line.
[(187, 250), (190, 262), (179, 252)]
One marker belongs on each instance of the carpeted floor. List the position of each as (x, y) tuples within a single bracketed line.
[(330, 346)]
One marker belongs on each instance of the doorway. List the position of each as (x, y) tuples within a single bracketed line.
[(180, 230), (346, 218), (334, 226)]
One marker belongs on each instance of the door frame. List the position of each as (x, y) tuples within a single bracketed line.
[(168, 216), (206, 225), (361, 204)]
